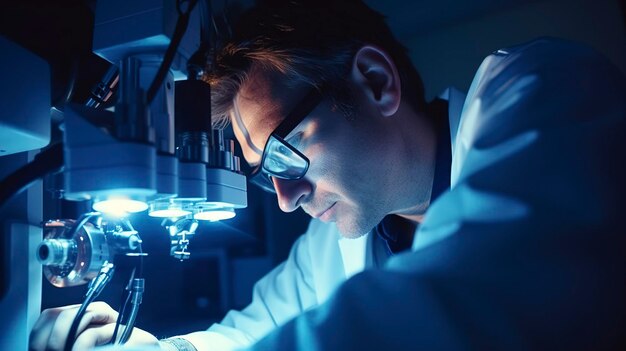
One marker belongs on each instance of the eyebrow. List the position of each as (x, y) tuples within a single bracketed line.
[(244, 130)]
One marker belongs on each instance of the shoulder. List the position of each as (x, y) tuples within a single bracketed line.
[(546, 53), (540, 84), (547, 63), (543, 89)]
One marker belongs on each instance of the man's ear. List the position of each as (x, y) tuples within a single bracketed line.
[(375, 73)]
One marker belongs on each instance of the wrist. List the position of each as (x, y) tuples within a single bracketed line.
[(176, 344)]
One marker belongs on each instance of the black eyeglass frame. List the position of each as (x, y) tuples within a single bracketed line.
[(261, 176)]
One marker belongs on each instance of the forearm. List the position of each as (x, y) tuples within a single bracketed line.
[(205, 341), (176, 344)]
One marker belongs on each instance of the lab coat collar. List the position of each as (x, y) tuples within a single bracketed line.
[(456, 99)]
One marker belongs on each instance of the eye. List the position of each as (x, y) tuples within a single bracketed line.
[(295, 140), (282, 149)]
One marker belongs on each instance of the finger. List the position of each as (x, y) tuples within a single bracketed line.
[(40, 333), (97, 313), (94, 336)]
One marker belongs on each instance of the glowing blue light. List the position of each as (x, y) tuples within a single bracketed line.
[(169, 213), (214, 215), (166, 209), (119, 206)]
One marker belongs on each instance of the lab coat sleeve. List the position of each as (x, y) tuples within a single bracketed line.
[(285, 292), (526, 251)]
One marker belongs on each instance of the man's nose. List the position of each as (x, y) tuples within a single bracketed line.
[(291, 193)]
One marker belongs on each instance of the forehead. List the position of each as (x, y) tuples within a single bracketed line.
[(259, 101), (262, 102)]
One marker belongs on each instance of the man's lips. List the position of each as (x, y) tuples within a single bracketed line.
[(320, 214)]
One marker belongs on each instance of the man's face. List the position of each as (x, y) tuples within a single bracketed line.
[(347, 181)]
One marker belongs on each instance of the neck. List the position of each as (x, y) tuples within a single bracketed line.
[(419, 143)]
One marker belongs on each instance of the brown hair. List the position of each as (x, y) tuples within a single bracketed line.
[(308, 41)]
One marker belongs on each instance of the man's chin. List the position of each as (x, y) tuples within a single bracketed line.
[(350, 230)]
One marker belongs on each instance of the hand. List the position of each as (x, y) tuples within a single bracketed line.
[(95, 328)]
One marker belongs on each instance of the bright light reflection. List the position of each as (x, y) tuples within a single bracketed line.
[(169, 213), (214, 215), (120, 207)]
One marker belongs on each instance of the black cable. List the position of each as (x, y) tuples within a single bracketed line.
[(103, 90), (71, 336), (95, 287), (47, 161), (130, 291), (168, 58), (80, 223), (136, 294), (197, 63), (120, 316), (134, 311)]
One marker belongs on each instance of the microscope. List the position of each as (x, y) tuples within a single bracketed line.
[(153, 150)]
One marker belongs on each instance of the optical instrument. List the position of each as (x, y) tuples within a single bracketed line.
[(143, 141)]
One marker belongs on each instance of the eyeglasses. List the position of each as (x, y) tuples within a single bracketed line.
[(281, 159)]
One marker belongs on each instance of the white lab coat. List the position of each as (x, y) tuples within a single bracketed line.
[(319, 261), (527, 249)]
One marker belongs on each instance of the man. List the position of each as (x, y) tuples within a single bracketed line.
[(516, 190)]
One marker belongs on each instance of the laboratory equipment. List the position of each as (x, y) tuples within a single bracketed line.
[(147, 151)]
